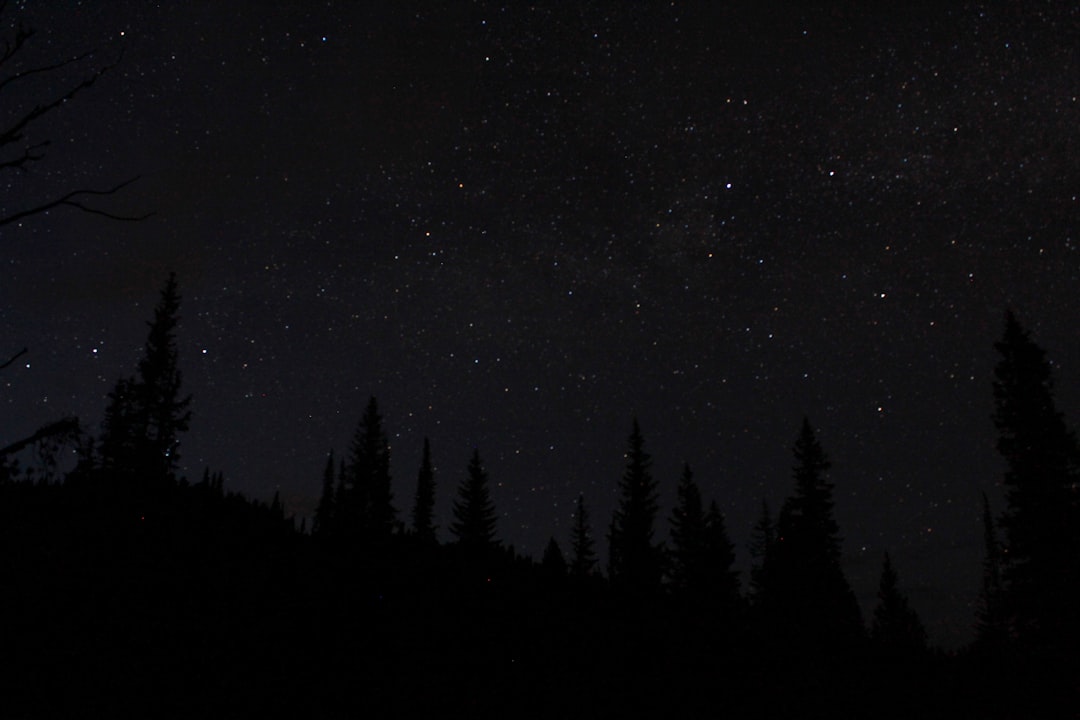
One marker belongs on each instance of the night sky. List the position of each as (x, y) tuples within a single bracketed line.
[(519, 227)]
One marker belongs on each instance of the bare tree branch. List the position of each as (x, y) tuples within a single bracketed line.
[(14, 357), (69, 200), (13, 134)]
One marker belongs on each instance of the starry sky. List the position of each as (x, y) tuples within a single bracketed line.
[(520, 226)]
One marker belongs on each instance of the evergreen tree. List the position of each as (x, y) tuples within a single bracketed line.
[(895, 624), (635, 562), (807, 591), (145, 415), (368, 512), (1041, 521), (164, 411), (688, 536), (762, 539), (424, 504), (991, 629), (581, 542), (119, 441), (324, 511), (720, 579), (474, 512), (553, 563)]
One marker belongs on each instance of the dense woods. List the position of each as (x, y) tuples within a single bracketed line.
[(127, 588)]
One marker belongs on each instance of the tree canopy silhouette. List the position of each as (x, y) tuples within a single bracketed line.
[(1041, 520), (806, 588), (146, 414), (635, 560), (474, 512), (423, 513), (895, 624)]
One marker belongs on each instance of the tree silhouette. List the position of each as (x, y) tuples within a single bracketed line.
[(166, 413), (688, 553), (423, 524), (474, 512), (322, 524), (720, 579), (895, 624), (366, 511), (552, 562), (807, 590), (583, 560), (20, 147), (1041, 520), (762, 542), (146, 415), (635, 562), (991, 627)]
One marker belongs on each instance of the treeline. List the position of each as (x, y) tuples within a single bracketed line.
[(126, 588)]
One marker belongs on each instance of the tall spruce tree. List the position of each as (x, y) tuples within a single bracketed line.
[(991, 626), (583, 560), (635, 561), (895, 624), (688, 552), (720, 579), (324, 511), (1041, 520), (146, 415), (166, 413), (807, 591), (474, 512), (762, 541), (368, 512), (423, 524)]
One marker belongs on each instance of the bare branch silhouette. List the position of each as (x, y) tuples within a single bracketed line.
[(14, 357)]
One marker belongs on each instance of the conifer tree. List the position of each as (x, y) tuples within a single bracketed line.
[(581, 542), (720, 579), (762, 539), (553, 562), (806, 586), (991, 628), (368, 512), (688, 555), (1041, 520), (164, 411), (324, 511), (895, 624), (635, 561), (424, 505), (474, 512), (145, 415)]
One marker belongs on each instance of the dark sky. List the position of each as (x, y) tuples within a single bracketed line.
[(520, 226)]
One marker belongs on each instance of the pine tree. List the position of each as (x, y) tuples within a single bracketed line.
[(368, 512), (145, 415), (324, 511), (688, 536), (806, 585), (424, 504), (762, 540), (635, 562), (1041, 520), (119, 441), (720, 578), (474, 512), (581, 542), (991, 628), (895, 624), (165, 413), (553, 563)]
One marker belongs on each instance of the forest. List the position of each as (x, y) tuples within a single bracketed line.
[(128, 588)]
